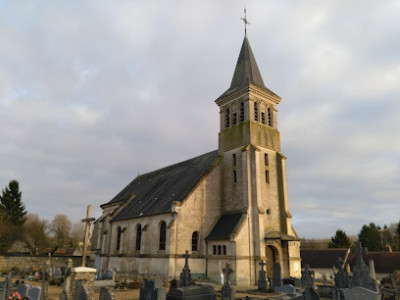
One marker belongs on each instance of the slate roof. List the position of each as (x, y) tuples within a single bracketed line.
[(385, 262), (246, 71), (227, 224), (155, 192), (322, 258)]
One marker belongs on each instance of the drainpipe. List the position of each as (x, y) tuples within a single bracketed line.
[(248, 234), (109, 245), (206, 258)]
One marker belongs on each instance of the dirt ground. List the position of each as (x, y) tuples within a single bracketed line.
[(54, 291)]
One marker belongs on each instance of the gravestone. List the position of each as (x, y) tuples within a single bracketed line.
[(23, 289), (360, 293), (80, 292), (185, 279), (106, 294), (286, 288), (307, 279), (187, 289), (227, 291), (361, 275), (262, 278), (109, 275), (35, 293), (6, 287), (276, 277), (148, 291), (67, 286), (341, 278)]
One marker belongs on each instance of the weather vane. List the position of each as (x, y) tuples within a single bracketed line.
[(245, 22)]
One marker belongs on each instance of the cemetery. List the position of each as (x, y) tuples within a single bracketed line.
[(81, 282), (216, 226)]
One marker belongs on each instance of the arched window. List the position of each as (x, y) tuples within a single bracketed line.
[(224, 250), (270, 117), (138, 237), (241, 111), (227, 118), (163, 235), (195, 241), (119, 234), (255, 111)]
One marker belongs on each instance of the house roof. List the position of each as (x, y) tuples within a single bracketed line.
[(227, 225), (322, 258), (155, 192), (246, 72), (385, 262)]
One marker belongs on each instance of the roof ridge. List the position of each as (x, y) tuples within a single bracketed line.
[(174, 165)]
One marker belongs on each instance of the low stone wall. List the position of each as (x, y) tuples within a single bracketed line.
[(35, 263)]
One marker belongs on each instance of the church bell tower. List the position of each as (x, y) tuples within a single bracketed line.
[(254, 169)]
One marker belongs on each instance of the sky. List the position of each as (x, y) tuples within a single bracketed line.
[(93, 93)]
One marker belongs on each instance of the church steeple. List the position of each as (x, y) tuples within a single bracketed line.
[(246, 71)]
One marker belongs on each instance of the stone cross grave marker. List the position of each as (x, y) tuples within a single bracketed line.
[(185, 278), (226, 291), (262, 278), (361, 276), (87, 222)]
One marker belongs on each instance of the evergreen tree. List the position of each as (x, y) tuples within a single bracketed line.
[(370, 237), (340, 240), (13, 208)]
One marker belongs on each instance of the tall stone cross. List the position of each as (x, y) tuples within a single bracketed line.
[(262, 264), (87, 222), (227, 272), (185, 278)]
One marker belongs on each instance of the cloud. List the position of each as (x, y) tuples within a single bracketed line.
[(91, 94)]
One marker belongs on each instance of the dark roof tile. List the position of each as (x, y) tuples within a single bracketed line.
[(246, 72), (156, 191), (227, 224)]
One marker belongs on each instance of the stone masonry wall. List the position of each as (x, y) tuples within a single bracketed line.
[(35, 263)]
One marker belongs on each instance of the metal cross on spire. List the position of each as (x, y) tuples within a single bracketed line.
[(245, 22)]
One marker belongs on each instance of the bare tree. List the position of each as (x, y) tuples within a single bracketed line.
[(61, 229), (7, 234), (35, 237), (77, 234)]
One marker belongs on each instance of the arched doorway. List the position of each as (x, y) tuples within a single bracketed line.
[(272, 257)]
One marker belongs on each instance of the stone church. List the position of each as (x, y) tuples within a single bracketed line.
[(226, 206)]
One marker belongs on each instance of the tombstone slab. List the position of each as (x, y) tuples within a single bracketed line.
[(287, 288), (360, 293), (35, 293), (148, 291), (276, 278), (23, 289), (195, 292), (187, 289)]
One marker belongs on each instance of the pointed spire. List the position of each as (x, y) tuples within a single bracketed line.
[(246, 70)]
